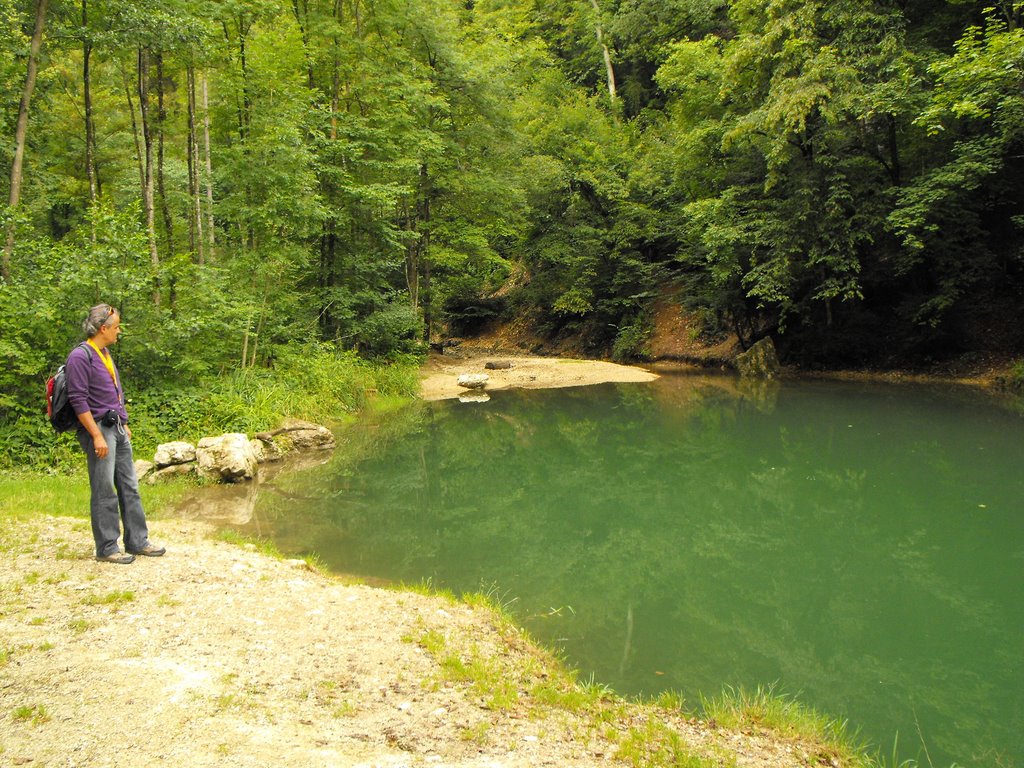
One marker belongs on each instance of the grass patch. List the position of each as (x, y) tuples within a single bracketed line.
[(478, 734), (486, 677), (766, 708), (35, 714), (27, 495), (432, 641), (261, 545), (567, 694), (114, 599), (343, 710), (655, 745), (426, 587), (78, 626), (268, 548)]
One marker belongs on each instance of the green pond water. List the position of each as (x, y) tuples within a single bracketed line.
[(858, 546)]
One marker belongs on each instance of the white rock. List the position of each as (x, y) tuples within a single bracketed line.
[(178, 452), (473, 380), (228, 458), (169, 473), (303, 435)]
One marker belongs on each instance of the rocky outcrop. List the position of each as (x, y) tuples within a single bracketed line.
[(294, 434), (266, 451), (760, 361), (232, 458)]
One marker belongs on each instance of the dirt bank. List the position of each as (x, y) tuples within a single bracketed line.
[(219, 655), (440, 373)]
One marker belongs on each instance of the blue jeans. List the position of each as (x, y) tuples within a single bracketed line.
[(115, 493)]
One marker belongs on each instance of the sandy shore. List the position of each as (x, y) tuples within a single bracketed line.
[(440, 374)]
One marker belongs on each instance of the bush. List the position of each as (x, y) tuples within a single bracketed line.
[(312, 381), (632, 342), (393, 329), (1013, 380)]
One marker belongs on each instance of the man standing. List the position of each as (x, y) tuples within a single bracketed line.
[(94, 391)]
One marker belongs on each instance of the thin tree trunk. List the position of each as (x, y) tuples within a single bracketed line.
[(301, 10), (21, 131), (209, 164), (196, 227), (147, 164), (243, 115), (335, 74), (135, 135), (161, 117), (896, 171), (245, 342), (412, 260), (609, 69), (256, 335), (191, 140), (427, 299), (90, 132)]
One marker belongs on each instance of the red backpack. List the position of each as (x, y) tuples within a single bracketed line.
[(58, 408)]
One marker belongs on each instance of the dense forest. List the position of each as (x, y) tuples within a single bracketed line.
[(249, 177)]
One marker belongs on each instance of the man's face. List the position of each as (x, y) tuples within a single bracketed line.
[(111, 329)]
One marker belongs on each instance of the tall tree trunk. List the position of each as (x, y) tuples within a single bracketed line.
[(426, 298), (330, 254), (335, 71), (196, 219), (139, 158), (90, 132), (21, 131), (190, 155), (244, 107), (412, 257), (609, 69), (301, 10), (148, 201), (161, 117), (896, 171), (209, 164)]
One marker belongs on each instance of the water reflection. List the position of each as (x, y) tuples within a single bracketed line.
[(859, 545)]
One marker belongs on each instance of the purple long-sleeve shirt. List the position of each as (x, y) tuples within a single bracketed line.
[(90, 387)]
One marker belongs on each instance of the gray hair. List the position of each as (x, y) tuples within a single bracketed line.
[(98, 317)]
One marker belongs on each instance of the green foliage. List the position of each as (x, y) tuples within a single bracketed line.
[(395, 327), (314, 382), (844, 173), (632, 340), (311, 382)]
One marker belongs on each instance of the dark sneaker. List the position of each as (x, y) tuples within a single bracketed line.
[(150, 550), (121, 558)]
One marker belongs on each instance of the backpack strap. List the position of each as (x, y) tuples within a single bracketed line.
[(88, 351)]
